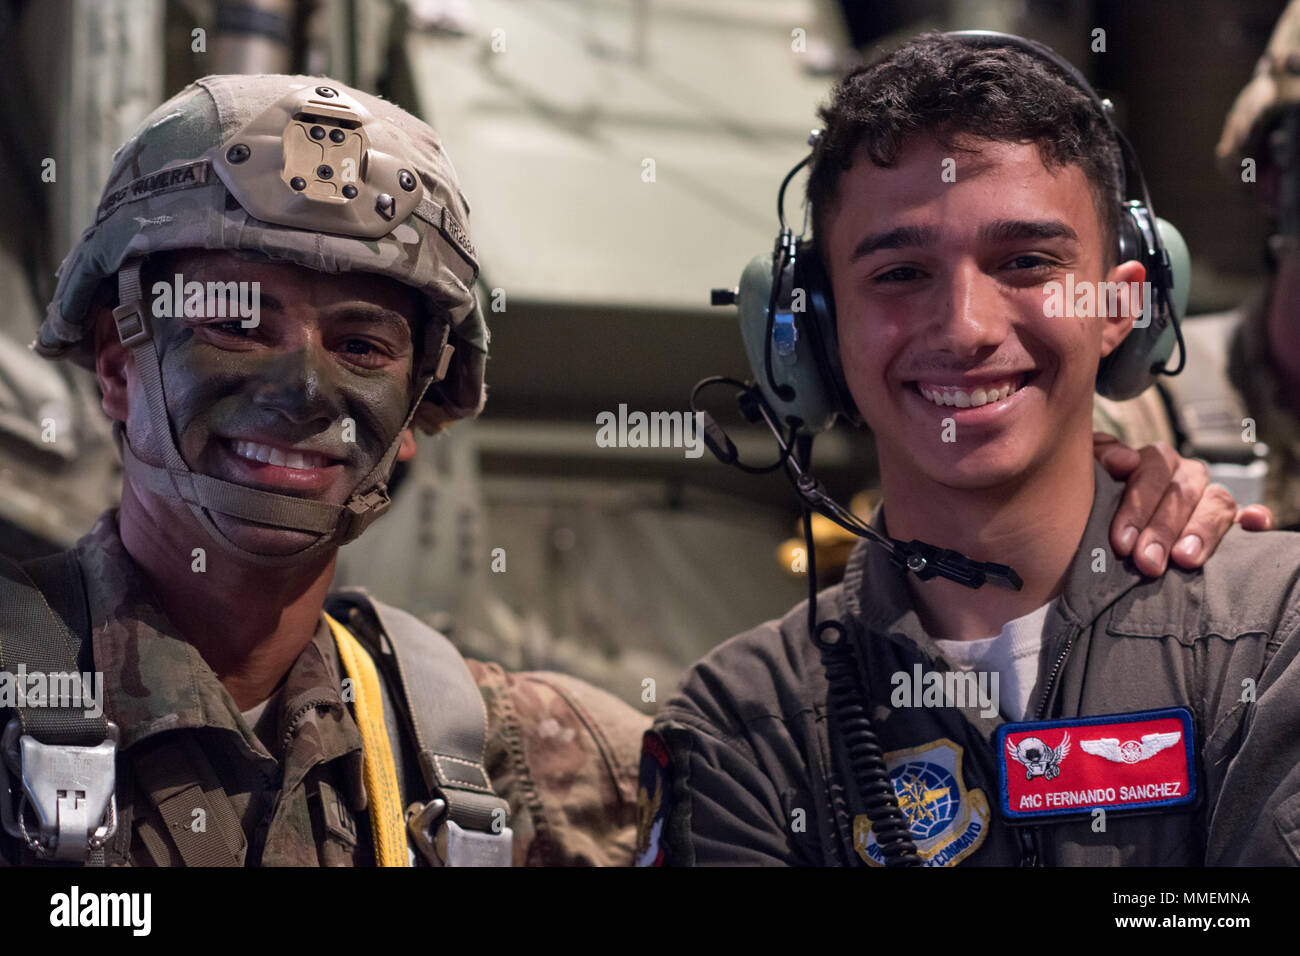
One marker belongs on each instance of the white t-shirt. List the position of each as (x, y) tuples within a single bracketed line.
[(1013, 654)]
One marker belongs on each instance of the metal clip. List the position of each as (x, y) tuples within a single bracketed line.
[(445, 843), (422, 822), (71, 789)]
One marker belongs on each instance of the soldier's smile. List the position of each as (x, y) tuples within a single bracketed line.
[(304, 404), (277, 466)]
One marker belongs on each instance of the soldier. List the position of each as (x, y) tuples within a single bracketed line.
[(277, 288), (878, 722), (1239, 406)]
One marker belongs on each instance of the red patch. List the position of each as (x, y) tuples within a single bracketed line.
[(1068, 768)]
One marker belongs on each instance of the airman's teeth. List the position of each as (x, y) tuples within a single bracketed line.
[(960, 398), (255, 451)]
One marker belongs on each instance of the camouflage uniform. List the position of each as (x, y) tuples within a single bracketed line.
[(562, 753)]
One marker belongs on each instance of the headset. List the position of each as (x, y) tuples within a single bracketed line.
[(787, 310), (787, 322)]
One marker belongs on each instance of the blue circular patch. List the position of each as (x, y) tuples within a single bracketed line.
[(929, 796)]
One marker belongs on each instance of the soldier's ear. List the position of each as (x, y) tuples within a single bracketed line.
[(112, 362), (406, 450)]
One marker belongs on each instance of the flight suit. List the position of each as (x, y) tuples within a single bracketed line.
[(738, 769)]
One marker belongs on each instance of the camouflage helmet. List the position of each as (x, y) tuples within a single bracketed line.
[(1274, 88), (298, 168)]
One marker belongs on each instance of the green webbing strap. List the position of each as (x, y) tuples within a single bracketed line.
[(36, 639), (60, 580), (205, 491), (196, 811)]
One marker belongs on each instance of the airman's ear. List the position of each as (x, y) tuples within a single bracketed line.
[(1129, 276), (112, 359)]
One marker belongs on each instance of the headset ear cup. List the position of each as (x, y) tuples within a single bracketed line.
[(811, 276), (1129, 241), (1132, 367)]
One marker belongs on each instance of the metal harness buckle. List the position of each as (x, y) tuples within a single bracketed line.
[(71, 788), (445, 843)]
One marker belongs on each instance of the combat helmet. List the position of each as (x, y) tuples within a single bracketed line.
[(301, 169), (1273, 89)]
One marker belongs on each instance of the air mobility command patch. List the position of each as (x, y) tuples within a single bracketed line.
[(1067, 768), (653, 800), (948, 822)]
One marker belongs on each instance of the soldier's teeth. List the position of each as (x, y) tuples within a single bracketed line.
[(255, 451)]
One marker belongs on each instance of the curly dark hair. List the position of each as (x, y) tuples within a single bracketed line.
[(945, 87)]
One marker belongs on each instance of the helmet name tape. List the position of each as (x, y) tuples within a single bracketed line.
[(154, 184)]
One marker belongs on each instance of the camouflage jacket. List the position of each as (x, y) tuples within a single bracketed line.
[(562, 753)]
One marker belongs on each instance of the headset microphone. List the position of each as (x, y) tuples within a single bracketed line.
[(926, 561)]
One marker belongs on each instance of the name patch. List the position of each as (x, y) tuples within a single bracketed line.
[(1068, 768)]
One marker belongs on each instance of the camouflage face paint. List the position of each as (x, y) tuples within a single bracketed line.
[(326, 371)]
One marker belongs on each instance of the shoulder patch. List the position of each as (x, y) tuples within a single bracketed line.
[(948, 822), (653, 800)]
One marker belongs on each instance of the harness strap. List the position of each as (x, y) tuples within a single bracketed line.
[(196, 812), (448, 721), (61, 757), (382, 791)]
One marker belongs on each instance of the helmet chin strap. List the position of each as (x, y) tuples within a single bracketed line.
[(204, 495)]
